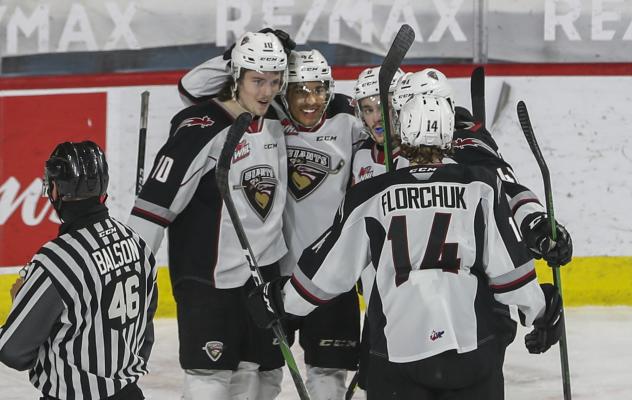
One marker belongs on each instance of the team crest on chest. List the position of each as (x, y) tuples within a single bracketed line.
[(307, 169), (259, 186)]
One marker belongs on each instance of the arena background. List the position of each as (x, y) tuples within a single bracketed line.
[(74, 70)]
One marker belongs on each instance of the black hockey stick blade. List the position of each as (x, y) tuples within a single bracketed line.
[(142, 141), (477, 92), (233, 137), (527, 129), (402, 42)]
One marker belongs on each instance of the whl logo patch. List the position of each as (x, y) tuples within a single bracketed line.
[(259, 185), (241, 151), (307, 169), (214, 350), (365, 173)]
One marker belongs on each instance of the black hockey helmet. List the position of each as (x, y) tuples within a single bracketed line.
[(79, 171)]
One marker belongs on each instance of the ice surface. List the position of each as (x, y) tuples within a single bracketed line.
[(600, 356)]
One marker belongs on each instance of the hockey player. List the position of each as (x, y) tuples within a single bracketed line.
[(474, 145), (81, 319), (441, 239), (221, 351), (321, 134), (369, 160)]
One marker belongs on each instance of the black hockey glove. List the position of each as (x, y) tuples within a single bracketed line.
[(265, 303), (283, 36), (537, 234), (547, 329)]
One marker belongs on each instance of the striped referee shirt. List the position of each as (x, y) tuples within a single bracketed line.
[(82, 321)]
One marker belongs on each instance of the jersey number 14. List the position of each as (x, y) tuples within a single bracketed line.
[(438, 254)]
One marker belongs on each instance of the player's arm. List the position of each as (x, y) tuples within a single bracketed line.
[(173, 180), (530, 217), (36, 308), (331, 265), (204, 81), (507, 261)]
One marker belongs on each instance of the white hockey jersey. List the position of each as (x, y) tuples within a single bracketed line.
[(319, 172), (444, 246), (181, 193), (369, 162)]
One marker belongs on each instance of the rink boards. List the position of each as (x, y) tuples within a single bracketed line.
[(580, 121)]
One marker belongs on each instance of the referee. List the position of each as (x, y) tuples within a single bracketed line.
[(81, 320)]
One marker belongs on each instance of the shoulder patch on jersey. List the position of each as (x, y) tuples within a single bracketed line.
[(259, 186), (462, 143), (205, 115), (307, 169), (202, 122), (365, 173)]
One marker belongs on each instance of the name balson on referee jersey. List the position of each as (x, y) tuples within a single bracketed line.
[(98, 282)]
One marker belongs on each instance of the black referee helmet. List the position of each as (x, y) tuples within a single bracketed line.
[(79, 171)]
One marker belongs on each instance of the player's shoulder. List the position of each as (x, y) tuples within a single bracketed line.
[(367, 145), (206, 118), (458, 173), (341, 104)]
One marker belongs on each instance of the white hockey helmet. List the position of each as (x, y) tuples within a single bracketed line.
[(308, 66), (368, 83), (427, 121), (429, 81), (261, 52)]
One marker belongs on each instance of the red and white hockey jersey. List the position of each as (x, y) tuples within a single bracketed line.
[(319, 172), (181, 194), (445, 247)]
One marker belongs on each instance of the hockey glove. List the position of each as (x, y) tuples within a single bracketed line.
[(265, 303), (284, 37), (536, 231), (547, 329)]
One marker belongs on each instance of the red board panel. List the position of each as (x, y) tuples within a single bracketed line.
[(30, 128)]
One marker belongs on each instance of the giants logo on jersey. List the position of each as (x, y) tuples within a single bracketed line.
[(365, 173), (307, 169), (241, 151), (259, 185)]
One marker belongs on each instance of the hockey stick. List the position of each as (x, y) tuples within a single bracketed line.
[(525, 123), (352, 386), (142, 141), (235, 133), (402, 42), (477, 92)]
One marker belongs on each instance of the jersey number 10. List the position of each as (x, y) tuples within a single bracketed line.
[(438, 254)]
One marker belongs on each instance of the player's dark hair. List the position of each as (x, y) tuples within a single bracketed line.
[(423, 154), (226, 92)]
